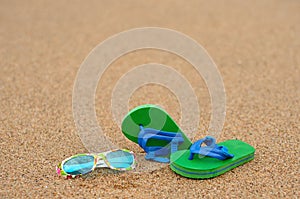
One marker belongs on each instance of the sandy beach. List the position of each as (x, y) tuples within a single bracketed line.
[(255, 44)]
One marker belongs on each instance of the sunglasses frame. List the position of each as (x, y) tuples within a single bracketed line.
[(100, 161)]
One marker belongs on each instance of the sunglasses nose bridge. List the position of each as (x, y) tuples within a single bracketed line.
[(100, 162)]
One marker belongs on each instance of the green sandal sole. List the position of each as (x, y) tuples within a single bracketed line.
[(151, 116), (206, 167)]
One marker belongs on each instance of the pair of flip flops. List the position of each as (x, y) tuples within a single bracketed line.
[(163, 141)]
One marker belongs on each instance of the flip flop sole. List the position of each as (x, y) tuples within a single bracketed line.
[(207, 167), (151, 116)]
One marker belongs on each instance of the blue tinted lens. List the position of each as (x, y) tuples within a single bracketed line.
[(120, 159), (79, 165)]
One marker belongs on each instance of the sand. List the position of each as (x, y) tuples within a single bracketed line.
[(255, 44)]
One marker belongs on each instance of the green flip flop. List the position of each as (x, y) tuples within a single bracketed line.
[(212, 160), (153, 129)]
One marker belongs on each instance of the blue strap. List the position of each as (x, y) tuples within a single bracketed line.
[(211, 150), (157, 153)]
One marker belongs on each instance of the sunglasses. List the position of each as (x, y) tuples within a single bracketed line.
[(80, 164)]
